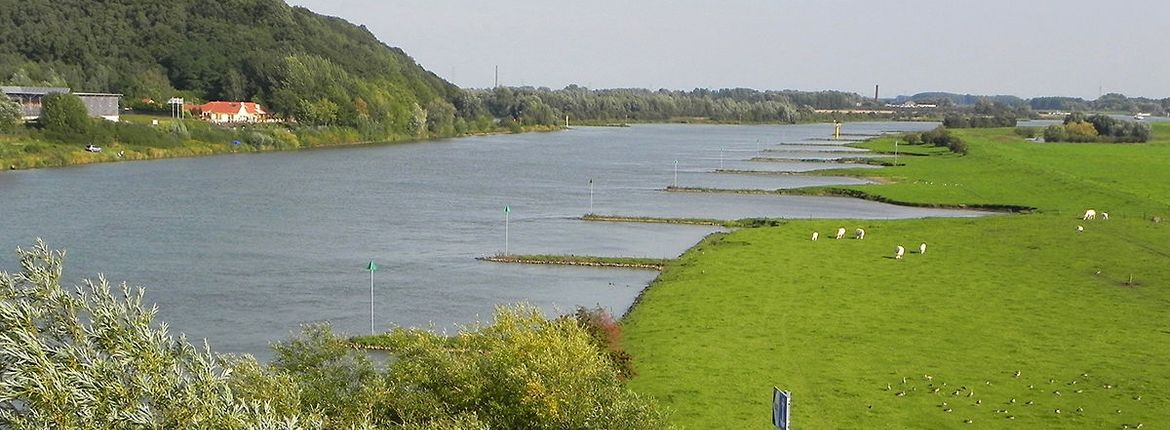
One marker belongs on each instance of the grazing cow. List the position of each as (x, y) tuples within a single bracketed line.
[(1080, 229), (1105, 215), (1089, 214), (898, 252), (841, 232), (816, 235), (860, 234), (922, 248)]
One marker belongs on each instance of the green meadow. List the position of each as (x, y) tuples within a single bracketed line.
[(1007, 321)]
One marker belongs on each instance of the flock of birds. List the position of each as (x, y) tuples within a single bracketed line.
[(965, 397), (899, 251)]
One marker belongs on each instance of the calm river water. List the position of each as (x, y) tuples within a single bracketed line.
[(242, 249)]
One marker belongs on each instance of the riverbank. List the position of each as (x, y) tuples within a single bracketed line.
[(989, 326), (25, 151)]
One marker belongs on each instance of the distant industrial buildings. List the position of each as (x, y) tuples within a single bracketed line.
[(910, 104), (100, 105)]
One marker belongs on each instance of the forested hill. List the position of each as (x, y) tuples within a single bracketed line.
[(317, 68)]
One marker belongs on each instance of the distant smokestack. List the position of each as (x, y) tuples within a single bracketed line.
[(875, 93)]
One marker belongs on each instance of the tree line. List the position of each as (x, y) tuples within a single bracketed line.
[(1112, 102)]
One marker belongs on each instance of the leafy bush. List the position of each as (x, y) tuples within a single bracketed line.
[(1027, 132), (133, 134), (1055, 133), (1080, 131), (258, 139), (941, 137), (91, 357), (211, 133), (1102, 128), (607, 336), (64, 113), (11, 115), (521, 371)]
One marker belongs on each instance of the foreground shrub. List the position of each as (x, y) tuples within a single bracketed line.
[(91, 357), (522, 371)]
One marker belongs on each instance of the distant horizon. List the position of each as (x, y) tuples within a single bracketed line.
[(1043, 48), (868, 96)]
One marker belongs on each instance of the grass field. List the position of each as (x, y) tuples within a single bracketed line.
[(863, 340)]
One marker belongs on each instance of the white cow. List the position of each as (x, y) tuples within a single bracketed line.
[(841, 232), (922, 248), (1089, 214), (1104, 215), (898, 252), (816, 235), (860, 234)]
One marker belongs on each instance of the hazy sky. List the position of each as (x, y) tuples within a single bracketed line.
[(1022, 47)]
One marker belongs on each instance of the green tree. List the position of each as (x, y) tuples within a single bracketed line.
[(1055, 133), (1081, 131), (440, 117), (64, 113), (91, 357), (11, 115), (418, 120)]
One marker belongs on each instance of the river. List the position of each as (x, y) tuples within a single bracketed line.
[(242, 249)]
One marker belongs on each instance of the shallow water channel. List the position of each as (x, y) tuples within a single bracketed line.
[(242, 249)]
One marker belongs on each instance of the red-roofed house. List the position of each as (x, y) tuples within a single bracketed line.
[(230, 112)]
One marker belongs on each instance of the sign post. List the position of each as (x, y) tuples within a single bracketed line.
[(781, 407), (372, 268)]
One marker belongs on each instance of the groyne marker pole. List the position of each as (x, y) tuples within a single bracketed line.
[(675, 173), (372, 268), (590, 195)]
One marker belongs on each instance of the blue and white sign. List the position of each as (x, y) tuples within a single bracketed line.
[(781, 406)]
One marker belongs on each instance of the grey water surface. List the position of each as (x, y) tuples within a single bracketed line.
[(242, 249)]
